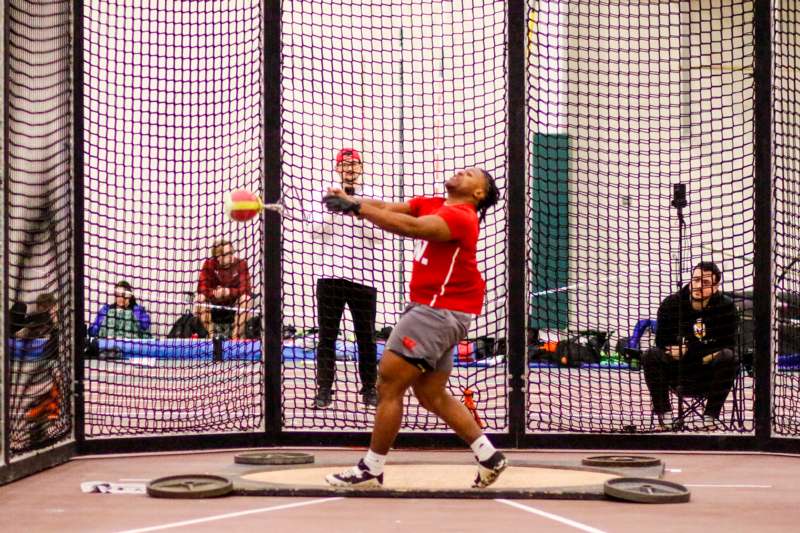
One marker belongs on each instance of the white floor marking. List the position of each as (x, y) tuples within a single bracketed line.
[(726, 486), (229, 515), (551, 516), (676, 470)]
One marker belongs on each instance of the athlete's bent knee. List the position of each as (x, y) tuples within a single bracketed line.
[(388, 388)]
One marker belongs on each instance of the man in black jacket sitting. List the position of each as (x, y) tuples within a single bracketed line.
[(695, 340)]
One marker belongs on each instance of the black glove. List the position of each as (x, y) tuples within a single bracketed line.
[(337, 204)]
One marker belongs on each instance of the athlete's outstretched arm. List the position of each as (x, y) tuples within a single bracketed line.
[(428, 227), (395, 207)]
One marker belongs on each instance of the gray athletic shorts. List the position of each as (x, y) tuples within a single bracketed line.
[(425, 336)]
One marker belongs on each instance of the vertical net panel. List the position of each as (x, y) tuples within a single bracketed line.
[(172, 122), (4, 352), (38, 211), (625, 100), (786, 171), (417, 88)]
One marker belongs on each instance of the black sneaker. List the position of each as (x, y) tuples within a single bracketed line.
[(370, 397), (489, 470), (358, 476), (323, 398)]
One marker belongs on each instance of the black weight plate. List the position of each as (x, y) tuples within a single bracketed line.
[(273, 458), (189, 486), (627, 461), (644, 490)]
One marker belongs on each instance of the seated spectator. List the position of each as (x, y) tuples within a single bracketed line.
[(124, 319), (695, 340), (43, 322), (37, 385), (223, 298)]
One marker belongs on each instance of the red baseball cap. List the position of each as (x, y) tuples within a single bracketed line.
[(344, 152)]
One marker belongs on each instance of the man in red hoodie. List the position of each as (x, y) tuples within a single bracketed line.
[(224, 289), (447, 292)]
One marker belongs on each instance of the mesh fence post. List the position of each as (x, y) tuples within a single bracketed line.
[(762, 282), (273, 319), (79, 329), (5, 365), (516, 217)]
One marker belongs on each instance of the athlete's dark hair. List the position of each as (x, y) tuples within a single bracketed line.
[(491, 198)]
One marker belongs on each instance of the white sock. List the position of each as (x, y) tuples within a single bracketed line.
[(374, 462), (482, 448)]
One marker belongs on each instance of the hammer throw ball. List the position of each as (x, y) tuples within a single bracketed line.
[(242, 205)]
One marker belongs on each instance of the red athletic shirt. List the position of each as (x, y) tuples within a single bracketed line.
[(446, 274), (236, 278)]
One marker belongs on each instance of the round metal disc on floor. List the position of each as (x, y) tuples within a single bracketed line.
[(620, 461), (189, 486), (273, 458), (646, 490)]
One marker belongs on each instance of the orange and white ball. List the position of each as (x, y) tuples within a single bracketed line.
[(242, 205)]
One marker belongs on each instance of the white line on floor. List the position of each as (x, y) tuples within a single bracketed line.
[(676, 470), (229, 515), (557, 518), (726, 486)]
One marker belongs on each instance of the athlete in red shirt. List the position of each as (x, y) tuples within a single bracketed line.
[(447, 292), (445, 273)]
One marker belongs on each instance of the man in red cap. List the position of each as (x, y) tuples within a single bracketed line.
[(346, 278), (349, 167)]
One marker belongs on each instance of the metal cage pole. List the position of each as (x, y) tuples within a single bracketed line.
[(5, 363), (763, 269), (515, 198), (78, 327), (273, 285)]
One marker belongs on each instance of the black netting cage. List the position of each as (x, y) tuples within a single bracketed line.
[(641, 264)]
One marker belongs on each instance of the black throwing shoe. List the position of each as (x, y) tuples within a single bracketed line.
[(489, 470), (357, 477)]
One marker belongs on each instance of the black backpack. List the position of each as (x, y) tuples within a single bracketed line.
[(187, 326), (585, 347)]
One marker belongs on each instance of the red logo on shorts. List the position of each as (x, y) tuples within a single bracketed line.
[(409, 343)]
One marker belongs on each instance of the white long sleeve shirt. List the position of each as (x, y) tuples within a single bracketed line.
[(348, 248)]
